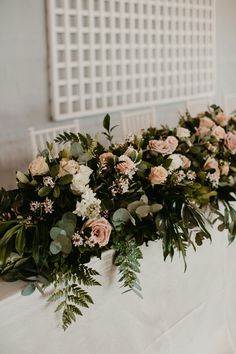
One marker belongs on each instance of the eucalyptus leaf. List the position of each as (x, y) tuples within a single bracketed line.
[(70, 217), (28, 290), (56, 231), (134, 205), (55, 247), (121, 216), (76, 149), (143, 211)]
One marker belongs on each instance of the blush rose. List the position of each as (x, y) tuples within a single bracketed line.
[(158, 175), (101, 230)]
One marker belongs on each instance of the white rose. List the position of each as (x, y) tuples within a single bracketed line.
[(68, 167), (38, 166), (176, 162), (81, 180), (182, 133)]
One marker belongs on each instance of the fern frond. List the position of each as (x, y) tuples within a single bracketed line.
[(71, 296), (127, 259)]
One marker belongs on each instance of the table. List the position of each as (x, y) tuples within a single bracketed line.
[(181, 313)]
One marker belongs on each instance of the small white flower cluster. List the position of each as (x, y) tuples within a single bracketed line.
[(213, 178), (89, 206), (35, 206), (180, 176), (77, 240), (130, 138), (81, 240), (191, 175), (48, 181), (46, 206), (120, 186)]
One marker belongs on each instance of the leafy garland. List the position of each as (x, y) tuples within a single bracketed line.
[(167, 185)]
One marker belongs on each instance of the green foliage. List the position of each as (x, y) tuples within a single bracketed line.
[(142, 209), (67, 137), (36, 241), (228, 221), (108, 129), (120, 217), (70, 295), (127, 258)]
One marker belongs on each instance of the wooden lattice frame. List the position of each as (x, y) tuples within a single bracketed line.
[(108, 55)]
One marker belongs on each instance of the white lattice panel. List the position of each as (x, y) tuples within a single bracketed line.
[(110, 55)]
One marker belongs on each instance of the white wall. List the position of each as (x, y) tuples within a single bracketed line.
[(24, 82)]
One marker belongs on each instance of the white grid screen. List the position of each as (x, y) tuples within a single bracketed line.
[(108, 55)]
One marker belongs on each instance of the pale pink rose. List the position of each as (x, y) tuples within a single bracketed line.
[(103, 158), (126, 166), (101, 230), (158, 175), (203, 131), (186, 163), (38, 166), (218, 132), (164, 147), (224, 168), (68, 167), (211, 163), (206, 122), (230, 142), (172, 142), (156, 145), (222, 119)]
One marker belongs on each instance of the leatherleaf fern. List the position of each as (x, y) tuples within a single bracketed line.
[(71, 295), (127, 258)]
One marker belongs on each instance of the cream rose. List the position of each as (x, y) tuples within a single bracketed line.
[(38, 166), (126, 166), (182, 133), (81, 180), (176, 162), (222, 119), (230, 142), (101, 230), (68, 167), (218, 132), (158, 175), (164, 147)]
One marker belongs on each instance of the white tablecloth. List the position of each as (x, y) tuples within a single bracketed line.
[(181, 313)]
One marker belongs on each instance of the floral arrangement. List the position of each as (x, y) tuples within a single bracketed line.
[(165, 185)]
